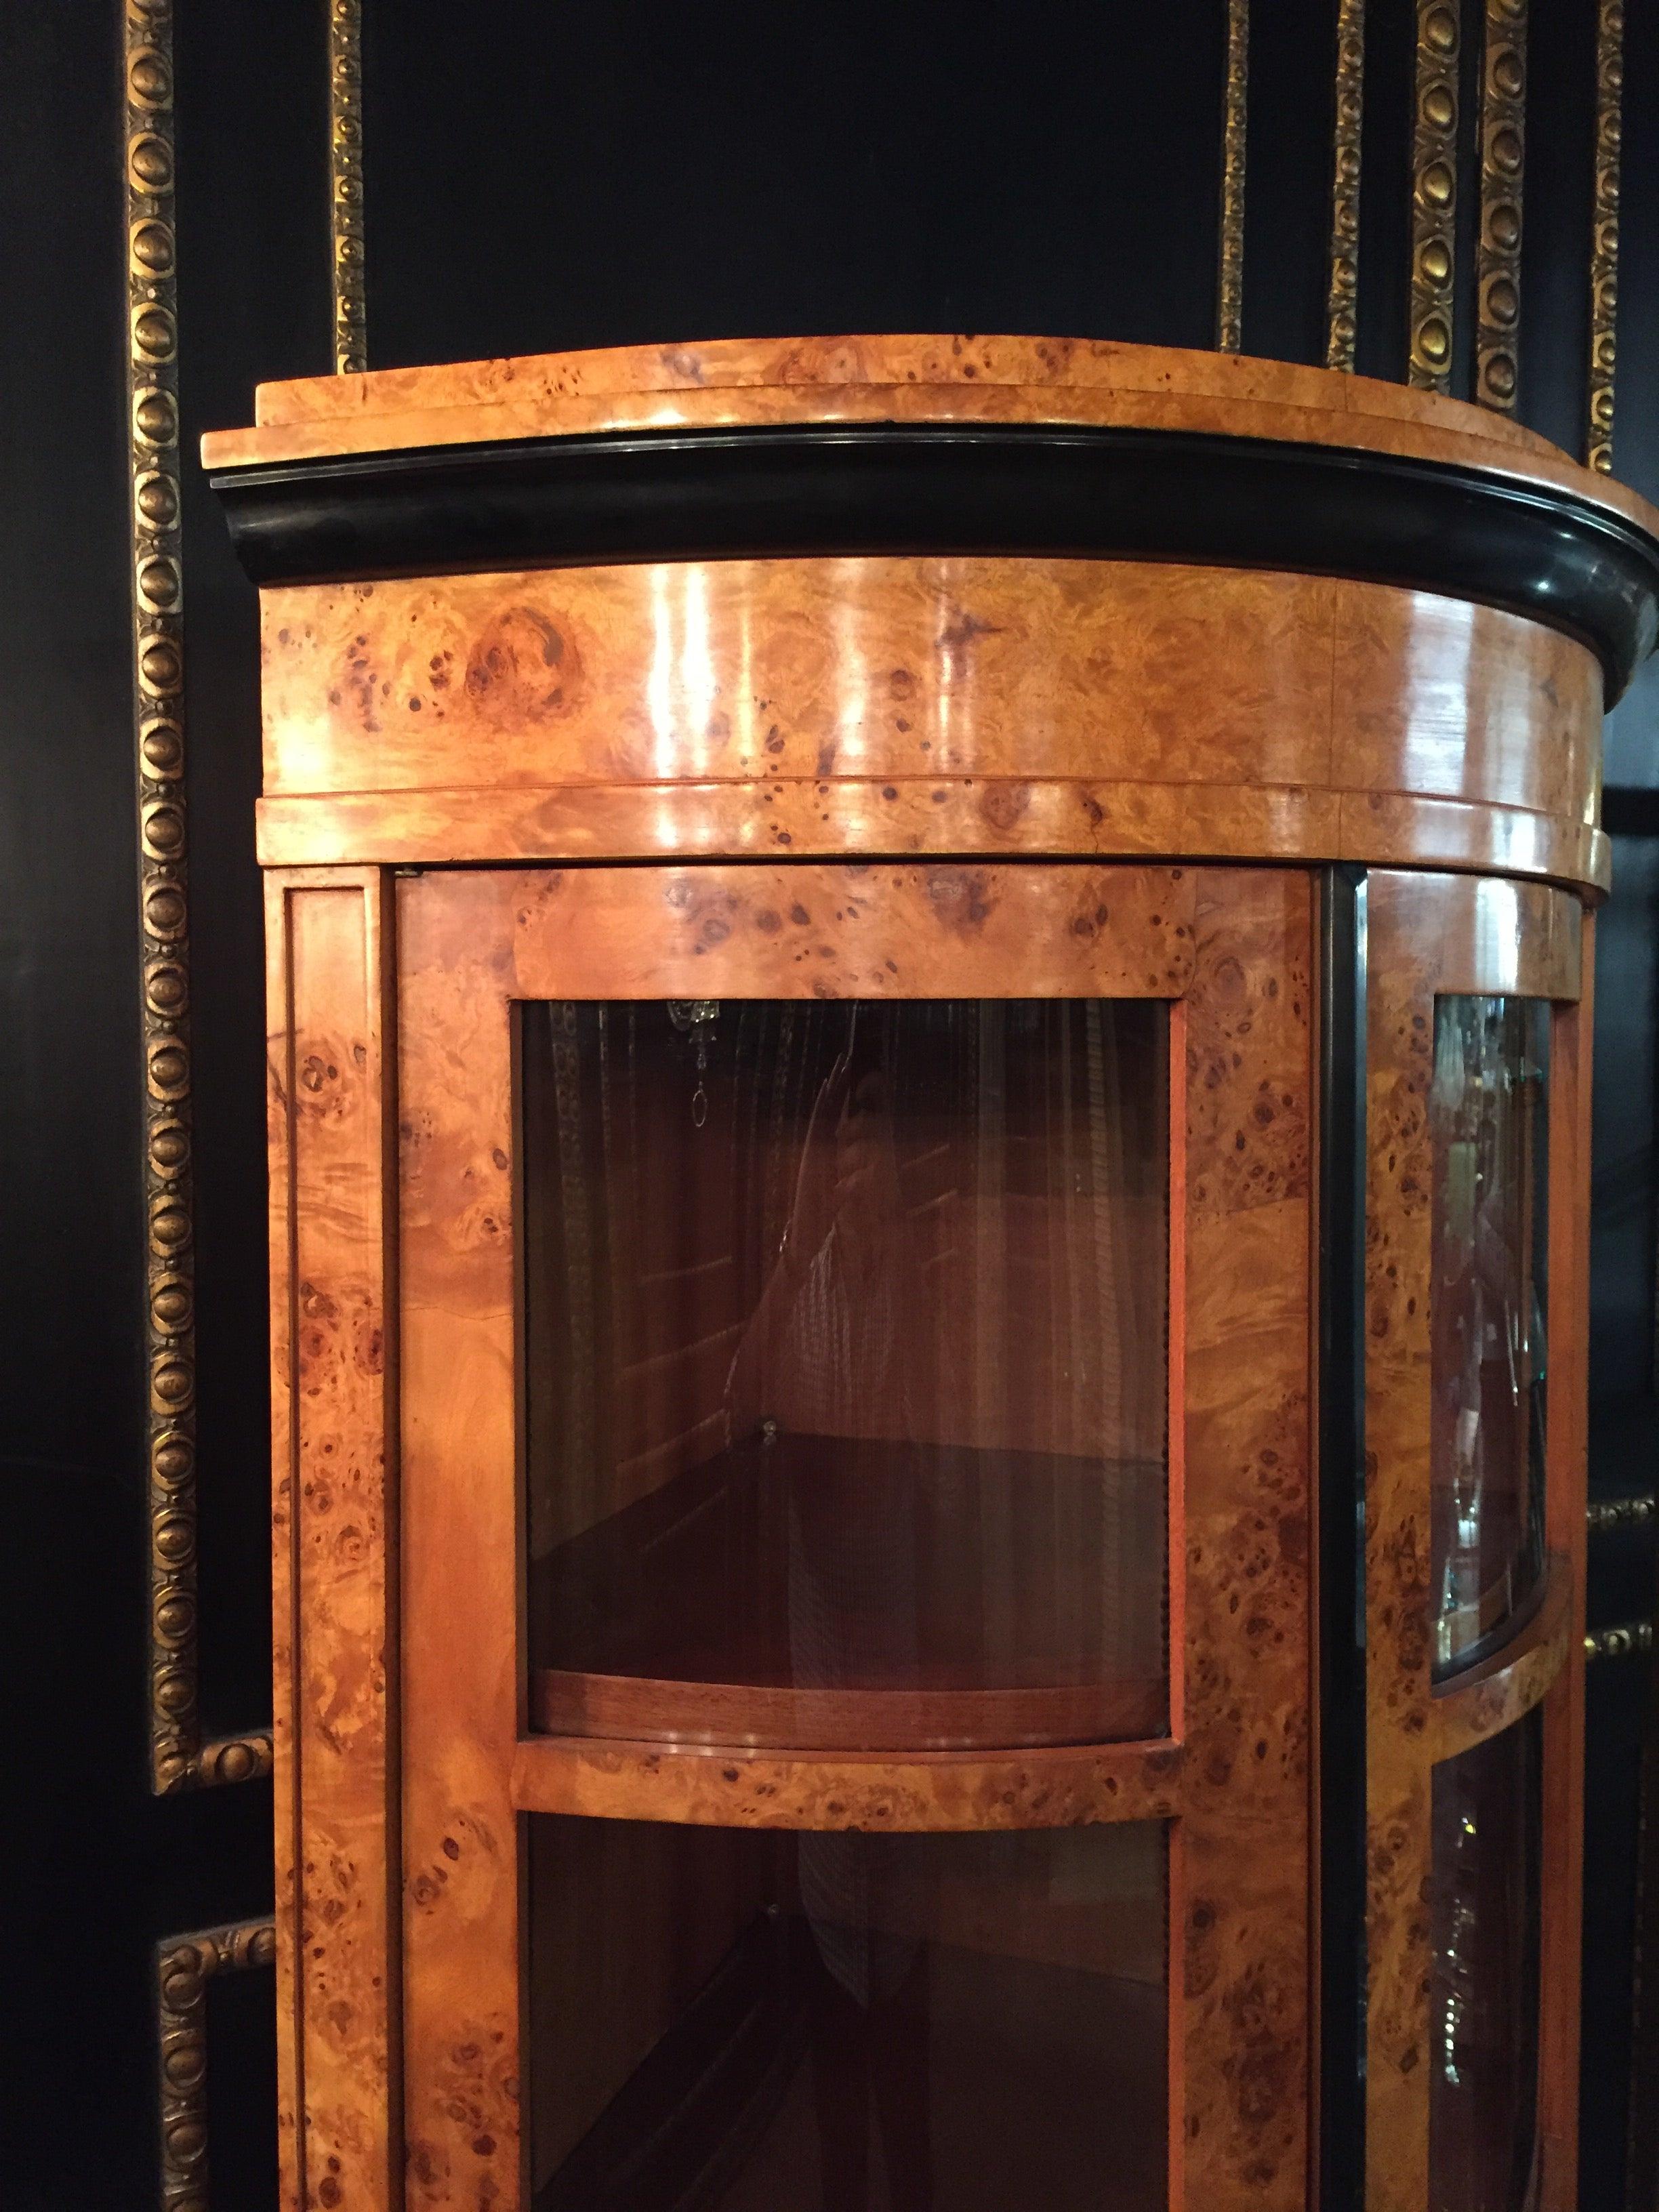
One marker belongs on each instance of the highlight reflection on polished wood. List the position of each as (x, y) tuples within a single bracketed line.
[(932, 704)]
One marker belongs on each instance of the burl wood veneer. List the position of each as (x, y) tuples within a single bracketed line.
[(890, 669)]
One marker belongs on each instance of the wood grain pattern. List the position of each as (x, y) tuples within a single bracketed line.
[(1057, 1787), (1242, 1884), (869, 667), (887, 379), (873, 930), (546, 382), (800, 706), (334, 1546), (1484, 1699), (1429, 934), (1234, 948), (462, 1698)]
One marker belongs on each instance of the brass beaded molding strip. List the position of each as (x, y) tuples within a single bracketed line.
[(179, 1758), (1604, 238), (346, 159), (1502, 156), (1610, 1513), (183, 1966), (1342, 299), (1434, 194), (1229, 287), (1628, 1638)]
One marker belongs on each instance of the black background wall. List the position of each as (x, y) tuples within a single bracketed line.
[(539, 179)]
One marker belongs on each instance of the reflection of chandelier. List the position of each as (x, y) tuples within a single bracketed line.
[(695, 1019)]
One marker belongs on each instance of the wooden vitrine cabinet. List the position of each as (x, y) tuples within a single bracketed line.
[(928, 1084)]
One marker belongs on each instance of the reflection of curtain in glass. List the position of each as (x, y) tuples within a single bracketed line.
[(1000, 1531), (1112, 1315), (1018, 1372), (583, 1483)]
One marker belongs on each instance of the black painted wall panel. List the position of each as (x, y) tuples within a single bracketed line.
[(539, 179), (254, 305), (595, 176), (1287, 179)]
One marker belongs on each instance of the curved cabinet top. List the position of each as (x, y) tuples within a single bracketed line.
[(923, 444)]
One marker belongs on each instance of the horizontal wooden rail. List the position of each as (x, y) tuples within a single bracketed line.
[(1056, 1787)]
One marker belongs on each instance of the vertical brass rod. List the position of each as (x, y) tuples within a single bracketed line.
[(1342, 298), (1503, 157), (1229, 287), (179, 1758), (183, 1966), (1434, 194), (1604, 241), (158, 672), (345, 155)]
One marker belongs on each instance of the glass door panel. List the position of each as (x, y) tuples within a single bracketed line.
[(1488, 1106), (752, 2020), (846, 1382), (1483, 1915)]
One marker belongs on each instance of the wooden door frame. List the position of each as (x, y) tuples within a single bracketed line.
[(1232, 950), (1431, 936)]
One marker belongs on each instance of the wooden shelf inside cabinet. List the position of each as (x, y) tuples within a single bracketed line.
[(1060, 1786)]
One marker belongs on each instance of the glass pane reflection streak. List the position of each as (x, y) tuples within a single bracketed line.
[(845, 1368)]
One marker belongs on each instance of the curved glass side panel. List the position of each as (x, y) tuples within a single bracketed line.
[(753, 2020), (845, 1369), (1487, 1115), (1484, 1924)]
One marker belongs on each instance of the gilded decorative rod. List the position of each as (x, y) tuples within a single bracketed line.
[(179, 1758), (1229, 287), (1604, 241), (183, 1966), (1434, 194), (345, 151), (1503, 159), (1342, 300)]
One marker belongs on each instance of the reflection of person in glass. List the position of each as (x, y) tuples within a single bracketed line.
[(823, 1359)]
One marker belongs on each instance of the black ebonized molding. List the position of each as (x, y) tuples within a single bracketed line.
[(1006, 489)]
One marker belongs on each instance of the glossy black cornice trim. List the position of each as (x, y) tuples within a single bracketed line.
[(1153, 494)]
